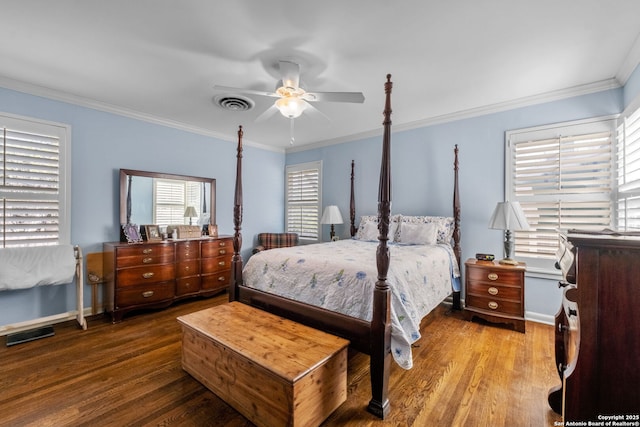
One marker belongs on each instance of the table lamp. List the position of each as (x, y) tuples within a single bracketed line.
[(331, 215), (190, 212), (508, 216)]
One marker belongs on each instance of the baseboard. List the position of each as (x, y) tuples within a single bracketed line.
[(540, 318)]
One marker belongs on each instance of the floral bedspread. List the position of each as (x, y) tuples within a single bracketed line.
[(340, 276)]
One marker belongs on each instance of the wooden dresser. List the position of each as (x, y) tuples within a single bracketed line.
[(155, 274), (598, 331), (495, 292)]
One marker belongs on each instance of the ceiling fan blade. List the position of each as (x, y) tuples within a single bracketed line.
[(267, 114), (290, 72), (314, 112), (245, 91), (356, 97)]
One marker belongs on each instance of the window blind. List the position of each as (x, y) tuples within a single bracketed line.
[(172, 198), (562, 177), (33, 183), (628, 168), (303, 200)]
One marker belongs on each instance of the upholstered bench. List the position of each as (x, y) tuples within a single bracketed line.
[(268, 241), (273, 371)]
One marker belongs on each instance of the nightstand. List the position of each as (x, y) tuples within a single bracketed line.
[(495, 292)]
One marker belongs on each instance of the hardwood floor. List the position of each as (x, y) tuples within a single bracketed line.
[(465, 374)]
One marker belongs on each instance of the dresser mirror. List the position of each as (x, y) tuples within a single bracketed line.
[(166, 199)]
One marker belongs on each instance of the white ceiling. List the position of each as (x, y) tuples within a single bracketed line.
[(159, 59)]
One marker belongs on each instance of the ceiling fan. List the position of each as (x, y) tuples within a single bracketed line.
[(292, 100)]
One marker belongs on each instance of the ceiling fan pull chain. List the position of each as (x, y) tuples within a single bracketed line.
[(292, 140)]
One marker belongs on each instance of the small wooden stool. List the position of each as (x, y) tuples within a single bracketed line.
[(274, 371)]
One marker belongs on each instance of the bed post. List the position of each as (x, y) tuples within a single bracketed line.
[(380, 322), (456, 224), (236, 261), (352, 204)]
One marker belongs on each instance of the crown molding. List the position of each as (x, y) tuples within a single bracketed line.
[(44, 92), (630, 63), (585, 89)]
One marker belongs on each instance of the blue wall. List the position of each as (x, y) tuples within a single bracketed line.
[(102, 143), (422, 175)]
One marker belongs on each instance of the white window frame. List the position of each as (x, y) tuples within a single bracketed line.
[(62, 133), (543, 265), (310, 236), (628, 168)]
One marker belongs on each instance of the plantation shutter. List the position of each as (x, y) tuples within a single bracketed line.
[(172, 198), (562, 177), (303, 200), (628, 165), (33, 183)]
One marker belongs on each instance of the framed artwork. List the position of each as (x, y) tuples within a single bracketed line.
[(213, 230), (152, 232), (132, 233)]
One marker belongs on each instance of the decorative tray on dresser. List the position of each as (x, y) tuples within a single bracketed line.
[(495, 292), (155, 274)]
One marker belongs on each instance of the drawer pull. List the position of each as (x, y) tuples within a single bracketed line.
[(186, 254), (148, 275), (221, 244), (492, 276), (147, 294), (222, 252), (221, 263), (147, 251), (187, 268), (493, 291), (493, 305), (221, 279), (147, 260)]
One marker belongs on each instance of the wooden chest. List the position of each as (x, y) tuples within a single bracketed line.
[(274, 371)]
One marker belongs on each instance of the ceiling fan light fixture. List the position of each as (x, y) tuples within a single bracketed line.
[(290, 106)]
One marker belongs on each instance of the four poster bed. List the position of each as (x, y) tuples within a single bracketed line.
[(425, 271)]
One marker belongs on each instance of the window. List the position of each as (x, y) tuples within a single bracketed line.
[(172, 199), (303, 199), (34, 183), (628, 168), (562, 175)]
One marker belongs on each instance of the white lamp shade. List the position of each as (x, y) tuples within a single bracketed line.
[(331, 215), (190, 212), (291, 106), (508, 216)]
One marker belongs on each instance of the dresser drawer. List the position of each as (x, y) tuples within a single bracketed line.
[(494, 275), (218, 280), (146, 250), (188, 268), (495, 290), (144, 294), (214, 265), (188, 285), (187, 250), (215, 248), (154, 259), (497, 305), (153, 273)]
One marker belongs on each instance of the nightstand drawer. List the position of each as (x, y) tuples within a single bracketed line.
[(494, 275), (495, 290), (497, 305)]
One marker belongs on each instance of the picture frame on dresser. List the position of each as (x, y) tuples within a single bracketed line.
[(131, 233), (152, 233)]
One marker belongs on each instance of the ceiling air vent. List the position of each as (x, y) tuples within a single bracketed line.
[(233, 102)]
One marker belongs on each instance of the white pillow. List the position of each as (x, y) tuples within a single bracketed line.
[(364, 232), (370, 231), (418, 234)]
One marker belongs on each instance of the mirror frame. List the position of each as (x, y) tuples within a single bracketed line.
[(124, 173)]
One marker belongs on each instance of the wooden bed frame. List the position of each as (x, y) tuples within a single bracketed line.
[(372, 338)]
